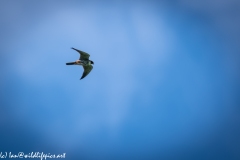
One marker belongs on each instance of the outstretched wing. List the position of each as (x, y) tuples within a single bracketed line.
[(87, 70), (83, 55)]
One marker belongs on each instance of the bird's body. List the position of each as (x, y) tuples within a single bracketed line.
[(83, 61), (80, 62)]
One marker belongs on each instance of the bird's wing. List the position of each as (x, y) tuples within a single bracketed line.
[(87, 70), (83, 55)]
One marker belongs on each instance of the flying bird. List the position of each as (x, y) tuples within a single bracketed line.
[(83, 61)]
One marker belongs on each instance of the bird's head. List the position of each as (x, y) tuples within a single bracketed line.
[(92, 62)]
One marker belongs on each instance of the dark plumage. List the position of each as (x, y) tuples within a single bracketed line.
[(83, 61)]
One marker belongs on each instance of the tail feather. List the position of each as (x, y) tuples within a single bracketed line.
[(70, 63)]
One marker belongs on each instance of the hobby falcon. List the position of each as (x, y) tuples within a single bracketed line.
[(83, 61)]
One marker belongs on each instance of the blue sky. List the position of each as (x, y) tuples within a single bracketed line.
[(165, 82)]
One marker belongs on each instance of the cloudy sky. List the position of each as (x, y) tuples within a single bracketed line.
[(165, 82)]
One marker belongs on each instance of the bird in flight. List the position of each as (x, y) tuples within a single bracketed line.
[(83, 61)]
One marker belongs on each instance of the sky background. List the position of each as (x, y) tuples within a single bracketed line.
[(165, 82)]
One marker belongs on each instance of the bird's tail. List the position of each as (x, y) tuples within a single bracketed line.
[(70, 63)]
